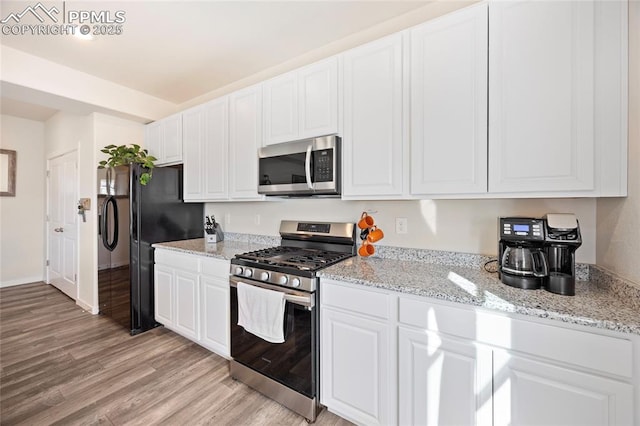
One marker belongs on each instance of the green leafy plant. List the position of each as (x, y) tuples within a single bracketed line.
[(129, 154)]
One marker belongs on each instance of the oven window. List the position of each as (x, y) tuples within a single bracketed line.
[(283, 169), (291, 363)]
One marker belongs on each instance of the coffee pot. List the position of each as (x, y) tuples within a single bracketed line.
[(524, 261)]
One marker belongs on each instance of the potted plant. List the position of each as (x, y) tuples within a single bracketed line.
[(129, 154)]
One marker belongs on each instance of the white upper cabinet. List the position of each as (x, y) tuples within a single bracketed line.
[(302, 103), (163, 139), (245, 138), (373, 134), (318, 99), (206, 141), (449, 104), (556, 74), (281, 109)]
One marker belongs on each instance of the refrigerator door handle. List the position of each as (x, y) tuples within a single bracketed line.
[(104, 223)]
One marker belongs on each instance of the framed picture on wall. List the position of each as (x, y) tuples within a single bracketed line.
[(7, 173)]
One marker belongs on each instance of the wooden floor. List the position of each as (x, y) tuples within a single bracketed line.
[(62, 365)]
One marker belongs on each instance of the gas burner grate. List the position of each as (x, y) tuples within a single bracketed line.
[(302, 259)]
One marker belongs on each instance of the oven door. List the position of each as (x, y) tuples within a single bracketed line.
[(294, 363)]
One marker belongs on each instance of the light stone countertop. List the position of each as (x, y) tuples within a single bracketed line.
[(225, 250), (598, 302)]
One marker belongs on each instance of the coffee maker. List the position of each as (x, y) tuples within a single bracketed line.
[(562, 239), (522, 260)]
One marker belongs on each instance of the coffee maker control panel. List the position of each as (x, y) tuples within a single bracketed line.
[(521, 229)]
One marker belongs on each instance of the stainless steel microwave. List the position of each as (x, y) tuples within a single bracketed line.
[(301, 168)]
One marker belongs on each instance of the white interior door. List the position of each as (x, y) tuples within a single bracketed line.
[(62, 227)]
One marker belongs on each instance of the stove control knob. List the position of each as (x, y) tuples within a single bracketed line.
[(282, 279), (264, 276), (295, 282), (237, 270), (248, 272)]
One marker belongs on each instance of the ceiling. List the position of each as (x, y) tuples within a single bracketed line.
[(179, 50)]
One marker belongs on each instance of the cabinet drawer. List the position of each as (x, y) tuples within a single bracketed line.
[(353, 299), (610, 355), (443, 319), (173, 259), (214, 267), (607, 354)]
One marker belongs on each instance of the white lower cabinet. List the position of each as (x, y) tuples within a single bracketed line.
[(214, 303), (442, 380), (191, 297), (164, 299), (528, 392), (186, 303), (388, 358), (357, 356)]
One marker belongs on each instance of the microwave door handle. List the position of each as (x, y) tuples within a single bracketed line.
[(307, 167)]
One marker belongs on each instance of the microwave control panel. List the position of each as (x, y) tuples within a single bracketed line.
[(323, 165), (519, 228)]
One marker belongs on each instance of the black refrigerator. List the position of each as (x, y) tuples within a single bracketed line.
[(132, 217)]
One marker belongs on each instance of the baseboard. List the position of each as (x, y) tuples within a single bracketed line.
[(87, 307), (21, 281)]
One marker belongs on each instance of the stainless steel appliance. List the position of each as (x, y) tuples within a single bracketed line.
[(562, 240), (131, 218), (288, 372), (302, 168), (522, 260)]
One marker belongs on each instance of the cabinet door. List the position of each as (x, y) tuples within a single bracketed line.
[(172, 139), (373, 137), (153, 139), (163, 295), (215, 314), (528, 392), (245, 138), (216, 150), (355, 367), (281, 109), (443, 381), (318, 99), (449, 104), (186, 299), (541, 96), (193, 153)]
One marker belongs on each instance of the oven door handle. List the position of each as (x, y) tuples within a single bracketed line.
[(305, 300)]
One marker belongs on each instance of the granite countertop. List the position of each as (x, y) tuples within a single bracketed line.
[(223, 250), (596, 303)]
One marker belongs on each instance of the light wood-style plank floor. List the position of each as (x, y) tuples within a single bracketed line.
[(62, 365)]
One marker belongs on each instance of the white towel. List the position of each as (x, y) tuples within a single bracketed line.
[(261, 312)]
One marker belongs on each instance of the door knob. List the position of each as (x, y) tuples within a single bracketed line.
[(59, 229)]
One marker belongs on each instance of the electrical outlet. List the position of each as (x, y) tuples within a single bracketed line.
[(227, 219), (401, 225), (256, 219)]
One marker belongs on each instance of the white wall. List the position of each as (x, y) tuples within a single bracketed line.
[(37, 80), (88, 134), (65, 133), (22, 218), (618, 219), (431, 10), (469, 226)]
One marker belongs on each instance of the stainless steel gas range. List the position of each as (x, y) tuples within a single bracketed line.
[(288, 372)]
